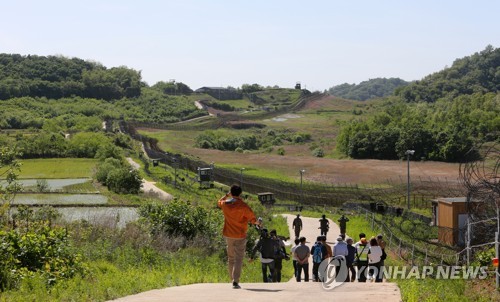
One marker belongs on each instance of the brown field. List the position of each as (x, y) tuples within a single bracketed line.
[(327, 170)]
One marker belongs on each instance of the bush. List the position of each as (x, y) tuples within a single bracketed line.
[(318, 152), (180, 218), (281, 151), (124, 180), (40, 248)]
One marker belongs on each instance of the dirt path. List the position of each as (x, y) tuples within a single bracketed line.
[(285, 291), (149, 187)]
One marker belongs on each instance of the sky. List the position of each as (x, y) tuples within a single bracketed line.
[(269, 42)]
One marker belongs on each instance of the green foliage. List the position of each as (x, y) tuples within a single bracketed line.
[(281, 151), (318, 152), (37, 248), (105, 167), (180, 218), (444, 130), (373, 88), (123, 180), (56, 77), (218, 140), (479, 73)]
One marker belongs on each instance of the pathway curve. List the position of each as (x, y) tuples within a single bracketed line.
[(149, 187), (285, 291)]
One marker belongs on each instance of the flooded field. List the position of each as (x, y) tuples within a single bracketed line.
[(60, 199)]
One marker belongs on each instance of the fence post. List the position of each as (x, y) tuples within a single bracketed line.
[(399, 249), (468, 242), (373, 221), (497, 254), (412, 255)]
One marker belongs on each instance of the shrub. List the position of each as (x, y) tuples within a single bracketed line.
[(318, 152), (180, 218), (124, 180), (41, 248), (281, 151)]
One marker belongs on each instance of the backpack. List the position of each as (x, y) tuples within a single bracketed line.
[(267, 248), (317, 254)]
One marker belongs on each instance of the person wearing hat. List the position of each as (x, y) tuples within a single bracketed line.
[(361, 258), (324, 225), (340, 252), (297, 226)]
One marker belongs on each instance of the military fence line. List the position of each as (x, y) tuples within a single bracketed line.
[(415, 254)]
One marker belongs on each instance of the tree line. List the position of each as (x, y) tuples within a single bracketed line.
[(57, 77), (373, 88)]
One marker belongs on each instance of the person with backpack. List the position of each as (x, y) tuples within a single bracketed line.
[(361, 258), (324, 225), (237, 216), (267, 247), (302, 254), (318, 252), (297, 226), (280, 254)]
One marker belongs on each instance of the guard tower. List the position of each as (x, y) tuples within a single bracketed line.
[(266, 198), (205, 177), (297, 85)]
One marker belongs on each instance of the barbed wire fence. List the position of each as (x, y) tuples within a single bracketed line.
[(421, 252)]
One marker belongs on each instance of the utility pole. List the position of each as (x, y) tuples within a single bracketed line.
[(408, 153)]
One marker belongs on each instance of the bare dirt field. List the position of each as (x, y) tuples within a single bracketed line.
[(332, 170)]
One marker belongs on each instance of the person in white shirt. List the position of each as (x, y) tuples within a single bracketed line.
[(374, 260), (340, 253), (294, 257)]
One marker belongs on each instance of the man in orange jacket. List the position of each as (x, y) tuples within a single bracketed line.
[(237, 216)]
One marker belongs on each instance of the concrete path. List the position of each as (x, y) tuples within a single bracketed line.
[(149, 187), (285, 291)]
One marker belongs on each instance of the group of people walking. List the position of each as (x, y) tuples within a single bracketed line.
[(364, 260)]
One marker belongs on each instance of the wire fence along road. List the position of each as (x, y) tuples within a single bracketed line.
[(415, 254)]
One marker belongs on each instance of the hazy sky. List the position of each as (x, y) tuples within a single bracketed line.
[(230, 43)]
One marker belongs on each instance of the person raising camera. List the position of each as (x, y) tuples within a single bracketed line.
[(237, 216)]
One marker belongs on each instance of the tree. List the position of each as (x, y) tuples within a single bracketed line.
[(124, 180)]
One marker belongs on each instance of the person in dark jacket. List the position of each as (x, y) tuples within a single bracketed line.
[(350, 260), (267, 247)]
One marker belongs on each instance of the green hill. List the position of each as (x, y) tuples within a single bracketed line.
[(56, 77), (373, 88), (478, 73), (441, 117)]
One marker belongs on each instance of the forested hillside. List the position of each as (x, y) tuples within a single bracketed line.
[(441, 117), (60, 94), (479, 72), (56, 77), (373, 88)]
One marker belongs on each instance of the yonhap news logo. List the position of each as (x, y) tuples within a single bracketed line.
[(334, 272)]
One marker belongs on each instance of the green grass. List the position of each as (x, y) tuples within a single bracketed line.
[(57, 168)]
